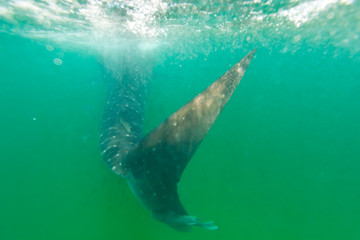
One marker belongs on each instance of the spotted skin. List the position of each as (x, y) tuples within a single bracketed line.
[(123, 119), (153, 165)]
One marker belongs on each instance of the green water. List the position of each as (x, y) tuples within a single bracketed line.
[(282, 161)]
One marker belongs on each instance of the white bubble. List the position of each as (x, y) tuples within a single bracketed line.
[(58, 61), (330, 15), (49, 48), (34, 118), (248, 38), (284, 50), (296, 38)]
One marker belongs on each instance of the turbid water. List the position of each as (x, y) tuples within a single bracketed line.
[(280, 162)]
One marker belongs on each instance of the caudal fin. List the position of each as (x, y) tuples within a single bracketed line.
[(159, 159)]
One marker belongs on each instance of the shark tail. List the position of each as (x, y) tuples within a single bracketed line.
[(157, 162)]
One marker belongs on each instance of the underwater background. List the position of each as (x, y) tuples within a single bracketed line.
[(282, 161)]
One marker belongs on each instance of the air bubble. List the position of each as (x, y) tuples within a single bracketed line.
[(296, 38), (330, 15), (58, 61), (50, 48)]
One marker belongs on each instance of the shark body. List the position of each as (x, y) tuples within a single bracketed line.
[(152, 165)]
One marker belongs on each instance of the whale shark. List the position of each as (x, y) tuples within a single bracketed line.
[(153, 164)]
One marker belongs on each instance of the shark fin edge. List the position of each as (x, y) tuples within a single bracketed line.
[(157, 162)]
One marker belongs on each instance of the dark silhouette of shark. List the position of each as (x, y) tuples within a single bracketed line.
[(153, 165)]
